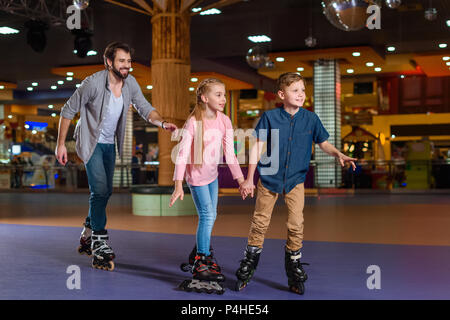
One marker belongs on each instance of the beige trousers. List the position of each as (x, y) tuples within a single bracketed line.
[(265, 201)]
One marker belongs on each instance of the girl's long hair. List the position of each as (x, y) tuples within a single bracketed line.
[(198, 114)]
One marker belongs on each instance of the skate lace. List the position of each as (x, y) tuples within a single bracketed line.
[(102, 246)]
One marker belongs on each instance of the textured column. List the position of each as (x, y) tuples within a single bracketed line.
[(327, 105), (170, 76)]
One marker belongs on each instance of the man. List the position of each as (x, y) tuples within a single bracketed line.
[(102, 101)]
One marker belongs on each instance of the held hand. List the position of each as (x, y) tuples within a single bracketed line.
[(170, 127), (343, 159), (61, 154), (247, 188), (177, 193)]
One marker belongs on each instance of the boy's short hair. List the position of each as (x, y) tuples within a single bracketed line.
[(288, 78)]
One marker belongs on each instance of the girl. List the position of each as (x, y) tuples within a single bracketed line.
[(206, 130)]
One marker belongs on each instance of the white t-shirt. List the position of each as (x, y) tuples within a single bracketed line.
[(109, 126)]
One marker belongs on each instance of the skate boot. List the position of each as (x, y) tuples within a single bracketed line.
[(247, 267), (103, 254), (294, 271), (205, 278), (187, 267), (85, 240)]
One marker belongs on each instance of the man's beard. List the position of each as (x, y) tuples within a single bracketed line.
[(118, 74)]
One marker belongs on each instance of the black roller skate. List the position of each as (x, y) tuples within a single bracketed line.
[(247, 267), (85, 240), (103, 254), (294, 271), (187, 267), (206, 278)]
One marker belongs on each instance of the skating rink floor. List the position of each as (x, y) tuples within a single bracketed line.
[(404, 238)]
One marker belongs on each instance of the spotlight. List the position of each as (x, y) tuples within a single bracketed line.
[(36, 38), (82, 43)]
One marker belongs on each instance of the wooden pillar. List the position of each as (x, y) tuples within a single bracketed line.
[(171, 68)]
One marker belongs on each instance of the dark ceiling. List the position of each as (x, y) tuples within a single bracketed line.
[(219, 42)]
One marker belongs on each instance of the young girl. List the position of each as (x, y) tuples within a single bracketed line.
[(206, 130)]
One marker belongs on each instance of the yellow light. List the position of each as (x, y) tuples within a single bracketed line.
[(382, 138)]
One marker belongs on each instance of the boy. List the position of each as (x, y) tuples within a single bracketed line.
[(289, 132)]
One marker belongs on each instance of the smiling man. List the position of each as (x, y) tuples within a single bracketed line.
[(102, 101)]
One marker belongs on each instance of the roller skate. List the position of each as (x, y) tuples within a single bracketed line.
[(187, 267), (247, 267), (103, 254), (294, 271), (205, 276), (85, 240)]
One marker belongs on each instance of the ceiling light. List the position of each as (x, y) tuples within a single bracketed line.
[(196, 9), (53, 87), (391, 49), (448, 63), (2, 87), (350, 70), (442, 45), (10, 117), (60, 82), (257, 39), (69, 78), (30, 88), (280, 59), (36, 38), (53, 115), (356, 54), (69, 74), (300, 69), (50, 106), (191, 89), (34, 84), (82, 42), (445, 58), (91, 53), (210, 12), (448, 23), (149, 87), (194, 79), (34, 131), (369, 64), (377, 69), (131, 69), (8, 30), (77, 85), (402, 76)]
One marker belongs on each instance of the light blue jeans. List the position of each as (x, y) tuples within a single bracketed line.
[(205, 200)]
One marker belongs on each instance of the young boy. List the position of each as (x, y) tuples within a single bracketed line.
[(289, 132)]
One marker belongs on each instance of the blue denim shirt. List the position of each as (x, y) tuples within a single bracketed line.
[(289, 148)]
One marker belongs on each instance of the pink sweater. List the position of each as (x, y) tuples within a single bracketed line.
[(218, 134)]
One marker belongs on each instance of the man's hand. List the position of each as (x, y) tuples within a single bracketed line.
[(61, 154), (169, 126)]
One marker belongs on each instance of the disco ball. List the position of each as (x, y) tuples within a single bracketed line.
[(347, 15), (257, 57), (431, 14), (393, 4), (81, 4)]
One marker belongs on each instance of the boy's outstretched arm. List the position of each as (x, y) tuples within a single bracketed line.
[(332, 151)]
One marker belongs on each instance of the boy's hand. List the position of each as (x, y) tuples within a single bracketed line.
[(343, 159), (177, 193), (247, 188)]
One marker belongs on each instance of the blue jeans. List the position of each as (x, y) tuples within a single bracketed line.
[(100, 172), (205, 200)]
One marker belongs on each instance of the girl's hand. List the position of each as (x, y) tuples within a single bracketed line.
[(247, 188), (177, 193)]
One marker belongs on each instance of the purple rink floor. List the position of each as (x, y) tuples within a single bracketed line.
[(34, 261)]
